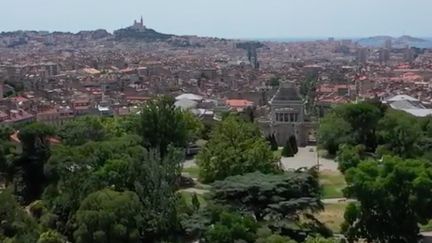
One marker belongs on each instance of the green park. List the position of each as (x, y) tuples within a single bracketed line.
[(127, 179)]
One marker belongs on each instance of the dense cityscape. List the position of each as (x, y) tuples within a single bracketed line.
[(142, 136)]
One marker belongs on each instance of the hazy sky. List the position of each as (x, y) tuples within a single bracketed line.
[(226, 18)]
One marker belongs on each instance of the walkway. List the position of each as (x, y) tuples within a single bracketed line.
[(307, 157)]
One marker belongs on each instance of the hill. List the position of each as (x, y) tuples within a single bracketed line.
[(399, 42), (143, 33)]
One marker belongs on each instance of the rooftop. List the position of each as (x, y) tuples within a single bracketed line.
[(287, 93), (409, 104), (238, 103), (189, 97)]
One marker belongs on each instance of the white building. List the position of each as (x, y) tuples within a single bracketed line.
[(408, 104)]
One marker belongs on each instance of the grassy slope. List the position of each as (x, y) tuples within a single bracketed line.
[(332, 183), (332, 216)]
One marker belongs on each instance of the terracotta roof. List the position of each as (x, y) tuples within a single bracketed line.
[(238, 103)]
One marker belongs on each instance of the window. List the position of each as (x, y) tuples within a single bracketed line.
[(286, 119)]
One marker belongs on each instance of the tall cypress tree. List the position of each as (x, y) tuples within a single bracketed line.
[(287, 150), (273, 144), (293, 141)]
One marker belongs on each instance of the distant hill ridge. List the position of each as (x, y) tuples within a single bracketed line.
[(141, 34), (397, 42)]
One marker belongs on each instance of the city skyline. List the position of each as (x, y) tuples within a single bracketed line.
[(227, 19)]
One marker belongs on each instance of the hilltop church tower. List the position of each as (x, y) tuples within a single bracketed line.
[(139, 25)]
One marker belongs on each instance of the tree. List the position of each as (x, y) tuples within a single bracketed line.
[(16, 225), (275, 238), (307, 90), (320, 239), (194, 126), (82, 130), (350, 156), (287, 150), (426, 126), (334, 131), (363, 119), (293, 142), (162, 124), (231, 228), (349, 227), (109, 216), (7, 154), (394, 197), (350, 124), (74, 172), (195, 202), (269, 195), (265, 235), (273, 143), (235, 147), (400, 133), (280, 200), (50, 237), (119, 126), (114, 173), (249, 113), (274, 82), (425, 142), (155, 182), (36, 152)]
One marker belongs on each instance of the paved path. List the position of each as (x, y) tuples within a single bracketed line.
[(189, 163), (307, 157), (337, 200), (195, 190)]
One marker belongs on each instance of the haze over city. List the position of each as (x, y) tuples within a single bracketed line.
[(227, 18)]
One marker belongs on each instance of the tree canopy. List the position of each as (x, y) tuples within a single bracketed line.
[(7, 154), (400, 133), (119, 179), (394, 197), (29, 166), (16, 225), (350, 156), (231, 228), (162, 124), (109, 217), (82, 130), (235, 147), (333, 132), (281, 200), (288, 150), (350, 123)]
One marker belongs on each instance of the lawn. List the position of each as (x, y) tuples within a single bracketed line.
[(188, 197), (192, 171), (333, 216), (426, 227), (332, 183)]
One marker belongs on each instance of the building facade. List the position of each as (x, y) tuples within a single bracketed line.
[(287, 117)]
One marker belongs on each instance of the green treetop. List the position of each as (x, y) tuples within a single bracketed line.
[(235, 147), (394, 197)]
